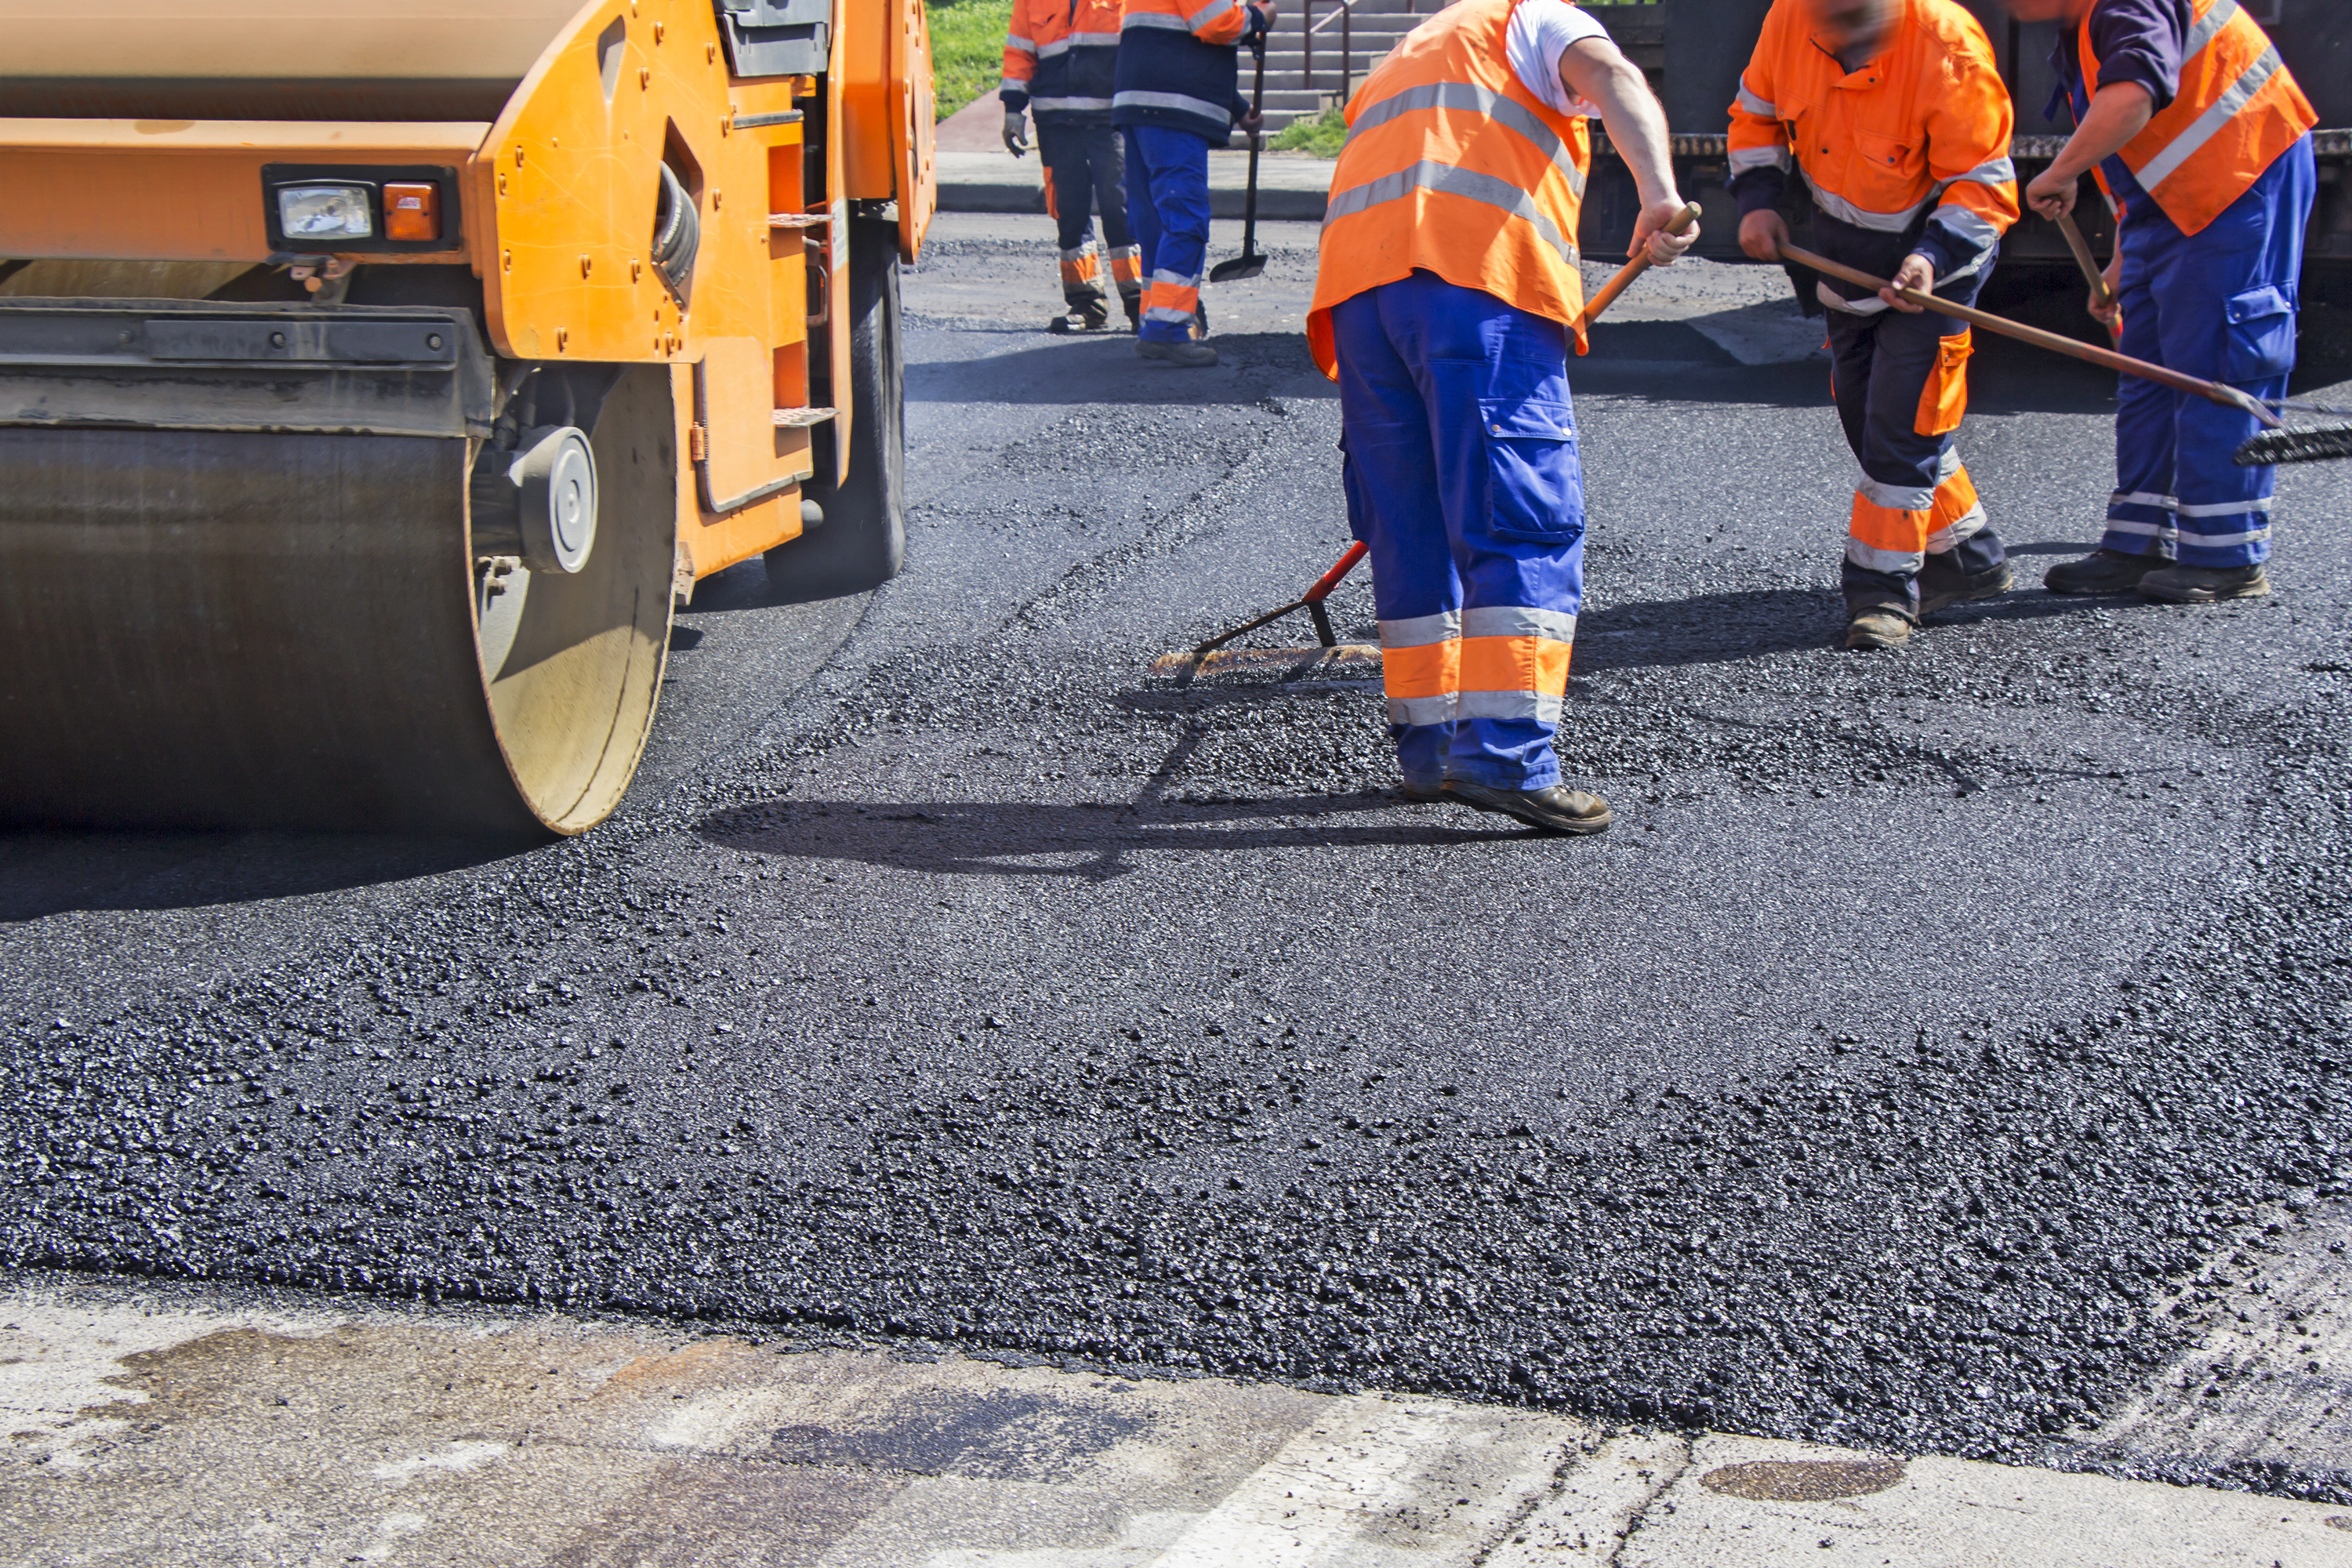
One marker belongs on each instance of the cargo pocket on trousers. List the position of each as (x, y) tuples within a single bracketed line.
[(1943, 401), (1535, 487), (2262, 335)]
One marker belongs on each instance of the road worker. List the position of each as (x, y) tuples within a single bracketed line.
[(1446, 296), (1177, 95), (1059, 57), (1895, 112), (2200, 135)]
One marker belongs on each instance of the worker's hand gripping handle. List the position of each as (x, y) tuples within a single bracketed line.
[(1633, 269)]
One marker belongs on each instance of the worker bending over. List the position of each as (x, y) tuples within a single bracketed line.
[(1178, 95), (1896, 114), (1059, 55), (1444, 300), (2200, 136)]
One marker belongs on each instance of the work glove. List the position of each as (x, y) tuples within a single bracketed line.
[(1016, 139)]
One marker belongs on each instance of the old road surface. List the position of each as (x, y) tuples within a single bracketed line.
[(1946, 1054)]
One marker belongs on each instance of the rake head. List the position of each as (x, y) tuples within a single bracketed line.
[(2311, 444)]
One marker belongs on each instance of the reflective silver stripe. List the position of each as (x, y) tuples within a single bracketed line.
[(1420, 631), (1177, 278), (1746, 158), (1094, 40), (2195, 540), (1755, 105), (1470, 97), (1019, 45), (1121, 252), (2149, 530), (1844, 211), (1430, 174), (1543, 707), (1868, 305), (2201, 130), (1512, 621), (1153, 19), (1009, 85), (1169, 314), (1175, 101), (1058, 47), (2206, 28), (1973, 229), (1210, 13), (2140, 497), (1422, 709), (1870, 558), (1069, 105), (2000, 170), (1964, 527), (1079, 253), (1897, 497), (2223, 509)]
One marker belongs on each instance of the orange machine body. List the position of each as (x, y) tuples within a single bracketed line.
[(554, 124)]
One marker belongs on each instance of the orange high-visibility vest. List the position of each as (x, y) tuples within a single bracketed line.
[(1451, 166), (2238, 109), (1924, 124)]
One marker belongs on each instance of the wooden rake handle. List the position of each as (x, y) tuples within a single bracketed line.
[(2091, 273), (1632, 269), (2211, 390)]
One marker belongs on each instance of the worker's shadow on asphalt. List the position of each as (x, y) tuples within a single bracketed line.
[(1089, 841), (1723, 628)]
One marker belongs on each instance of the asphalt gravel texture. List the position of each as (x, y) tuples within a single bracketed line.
[(1924, 1023)]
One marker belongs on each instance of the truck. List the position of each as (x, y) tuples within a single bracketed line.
[(1694, 51), (376, 377)]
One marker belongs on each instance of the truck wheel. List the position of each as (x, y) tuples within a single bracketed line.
[(861, 541)]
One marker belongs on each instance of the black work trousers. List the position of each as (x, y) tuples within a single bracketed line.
[(1086, 171)]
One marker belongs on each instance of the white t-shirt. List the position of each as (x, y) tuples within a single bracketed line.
[(1541, 31)]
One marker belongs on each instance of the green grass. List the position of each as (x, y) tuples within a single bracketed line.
[(1320, 136), (967, 50)]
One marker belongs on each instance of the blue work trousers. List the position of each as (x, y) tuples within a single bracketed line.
[(1462, 477), (2218, 304), (1167, 211)]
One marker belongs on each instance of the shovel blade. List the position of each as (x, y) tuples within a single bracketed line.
[(1247, 265)]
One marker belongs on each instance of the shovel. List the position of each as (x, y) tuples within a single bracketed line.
[(2274, 443), (1251, 261), (2090, 265)]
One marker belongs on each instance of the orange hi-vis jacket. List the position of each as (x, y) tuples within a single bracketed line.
[(1452, 166), (1923, 127), (2238, 109), (1058, 59)]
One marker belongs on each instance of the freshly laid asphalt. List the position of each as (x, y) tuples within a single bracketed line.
[(1886, 1077)]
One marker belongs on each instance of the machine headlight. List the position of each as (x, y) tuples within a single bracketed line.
[(325, 212)]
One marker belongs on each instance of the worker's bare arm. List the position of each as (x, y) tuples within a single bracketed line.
[(1595, 71), (2119, 111)]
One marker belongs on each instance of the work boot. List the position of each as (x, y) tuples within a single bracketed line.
[(2205, 585), (1134, 303), (1941, 588), (1423, 795), (1185, 356), (1877, 625), (2101, 571), (1555, 808), (1090, 317)]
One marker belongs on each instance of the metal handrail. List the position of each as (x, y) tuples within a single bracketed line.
[(1344, 13)]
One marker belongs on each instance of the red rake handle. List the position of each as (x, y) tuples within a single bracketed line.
[(1331, 579)]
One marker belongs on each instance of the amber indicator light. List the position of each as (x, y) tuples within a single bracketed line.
[(411, 211)]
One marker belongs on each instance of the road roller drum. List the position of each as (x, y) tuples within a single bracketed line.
[(373, 386)]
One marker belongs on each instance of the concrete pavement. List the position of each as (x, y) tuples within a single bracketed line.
[(164, 1428)]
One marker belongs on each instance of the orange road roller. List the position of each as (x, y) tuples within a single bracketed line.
[(375, 375)]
